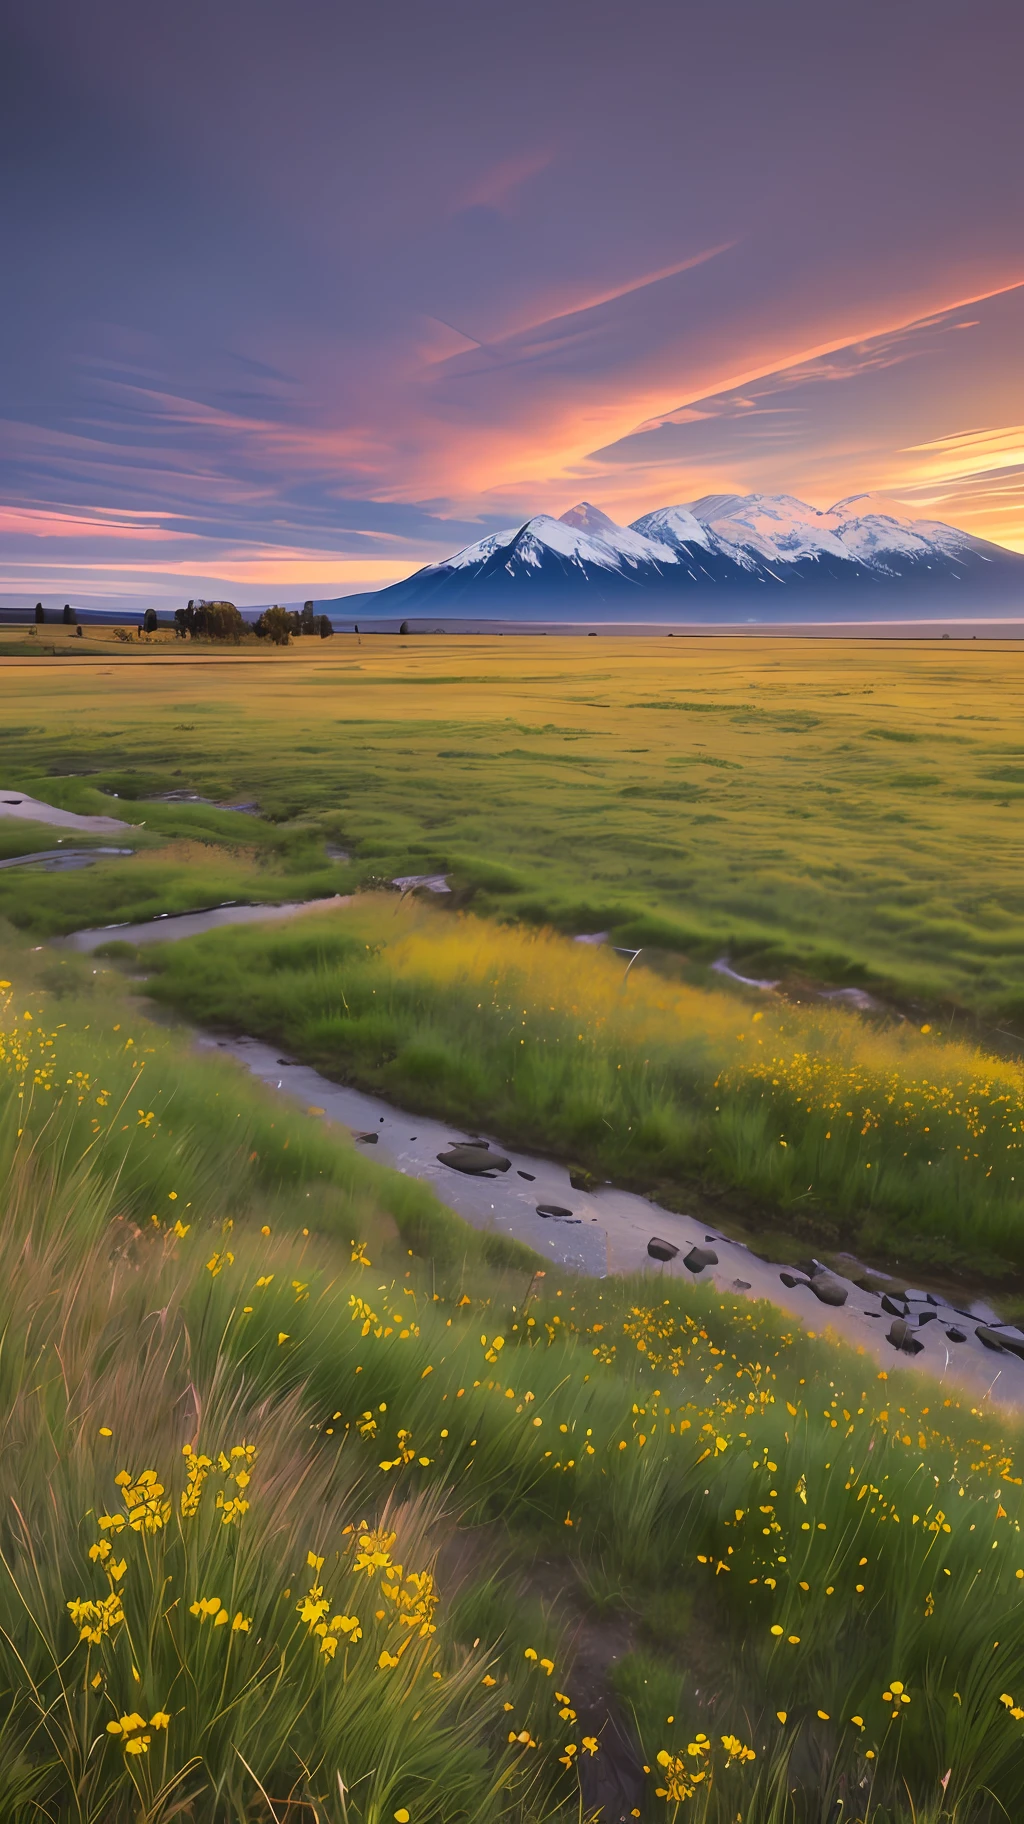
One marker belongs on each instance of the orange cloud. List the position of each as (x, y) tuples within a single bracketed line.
[(269, 568), (967, 453)]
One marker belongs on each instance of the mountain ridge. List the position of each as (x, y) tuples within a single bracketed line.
[(721, 557)]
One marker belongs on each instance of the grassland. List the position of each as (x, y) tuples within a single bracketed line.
[(847, 812), (893, 1141), (246, 1373), (315, 1504)]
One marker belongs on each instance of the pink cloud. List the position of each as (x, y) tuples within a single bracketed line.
[(40, 522), (495, 188)]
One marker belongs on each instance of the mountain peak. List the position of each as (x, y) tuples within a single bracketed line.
[(588, 518), (726, 558)]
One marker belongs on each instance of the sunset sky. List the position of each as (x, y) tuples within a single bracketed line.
[(299, 296)]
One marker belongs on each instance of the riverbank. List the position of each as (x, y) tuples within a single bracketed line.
[(806, 1128), (604, 1231), (587, 1227)]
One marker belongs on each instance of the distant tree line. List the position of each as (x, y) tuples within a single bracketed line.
[(206, 621), (203, 620), (279, 624)]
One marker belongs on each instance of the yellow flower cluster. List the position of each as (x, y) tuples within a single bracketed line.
[(236, 1468), (198, 1468), (133, 1730), (94, 1620), (210, 1608), (412, 1596), (144, 1501), (974, 1105)]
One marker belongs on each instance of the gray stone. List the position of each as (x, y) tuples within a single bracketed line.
[(474, 1159), (828, 1289), (696, 1260), (1008, 1339), (902, 1337), (666, 1250)]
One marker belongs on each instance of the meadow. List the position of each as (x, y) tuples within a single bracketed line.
[(311, 1510), (796, 1121), (841, 812), (317, 1504)]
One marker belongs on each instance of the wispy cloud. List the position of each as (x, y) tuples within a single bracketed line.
[(496, 188), (849, 414), (552, 334)]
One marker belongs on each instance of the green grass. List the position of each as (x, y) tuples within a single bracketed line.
[(892, 1142), (176, 1131), (845, 812), (706, 1529), (827, 1528)]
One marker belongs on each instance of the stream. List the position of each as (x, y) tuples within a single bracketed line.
[(600, 1232), (167, 927)]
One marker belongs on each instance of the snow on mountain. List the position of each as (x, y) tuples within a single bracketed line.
[(750, 531), (719, 557), (589, 518), (673, 526), (774, 527), (878, 535), (471, 556), (607, 546)]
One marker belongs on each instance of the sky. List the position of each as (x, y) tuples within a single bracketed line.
[(298, 297)]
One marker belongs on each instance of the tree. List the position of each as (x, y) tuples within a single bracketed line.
[(40, 614), (219, 620), (149, 621), (326, 627), (70, 617), (308, 618), (210, 621), (275, 624)]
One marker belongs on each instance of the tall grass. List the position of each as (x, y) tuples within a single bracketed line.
[(179, 1135), (245, 1412), (204, 1634), (891, 1139)]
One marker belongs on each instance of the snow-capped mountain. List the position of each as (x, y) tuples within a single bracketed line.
[(582, 538), (723, 557)]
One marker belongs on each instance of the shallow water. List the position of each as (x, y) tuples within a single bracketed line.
[(33, 810), (61, 861), (610, 1228), (173, 925)]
